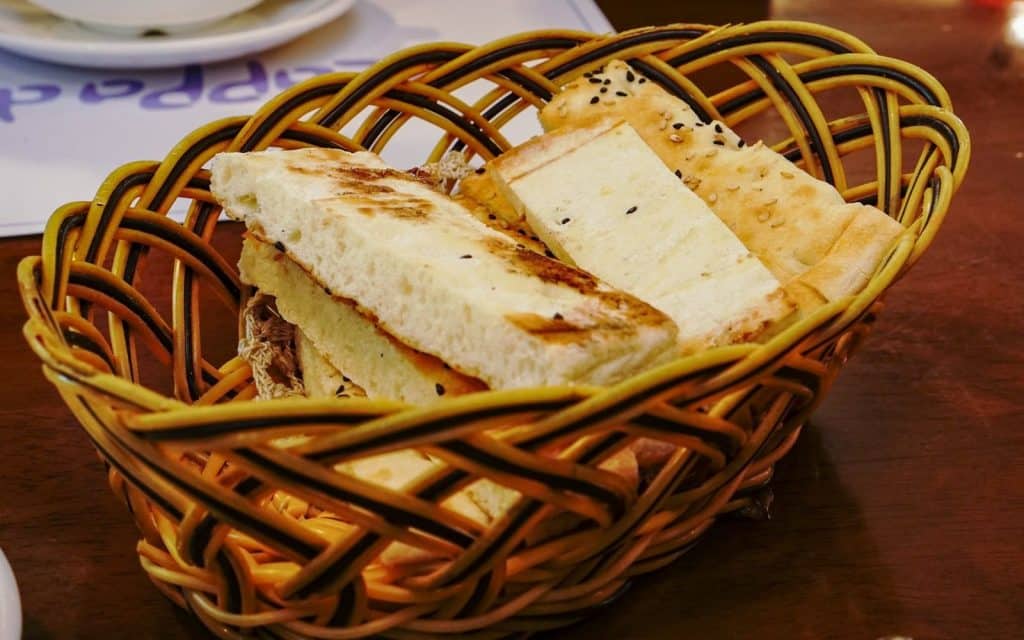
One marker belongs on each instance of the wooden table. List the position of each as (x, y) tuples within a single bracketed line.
[(900, 512)]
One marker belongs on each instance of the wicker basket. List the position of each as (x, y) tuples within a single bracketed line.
[(196, 470)]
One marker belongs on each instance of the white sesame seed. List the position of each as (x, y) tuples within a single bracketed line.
[(713, 198), (786, 174), (675, 138), (734, 187), (763, 216), (710, 153)]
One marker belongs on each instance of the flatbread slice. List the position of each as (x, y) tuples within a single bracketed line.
[(799, 226)]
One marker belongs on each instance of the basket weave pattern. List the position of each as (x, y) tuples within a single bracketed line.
[(205, 486)]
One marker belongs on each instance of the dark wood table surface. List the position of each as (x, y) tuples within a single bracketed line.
[(899, 513)]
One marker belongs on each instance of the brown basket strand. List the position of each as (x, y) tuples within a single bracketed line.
[(249, 536)]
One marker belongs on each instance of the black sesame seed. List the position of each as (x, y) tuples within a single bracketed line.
[(439, 388), (446, 366), (548, 253), (518, 246), (741, 144), (328, 291), (631, 210), (587, 74), (346, 378), (718, 128), (480, 170), (534, 238), (557, 316), (629, 76), (521, 232), (595, 100), (341, 390), (677, 125), (491, 216), (465, 257), (604, 89), (642, 80), (382, 355), (700, 124), (621, 93), (607, 81), (565, 221), (679, 174), (279, 245), (595, 80), (720, 143)]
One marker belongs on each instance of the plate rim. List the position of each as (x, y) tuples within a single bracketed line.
[(9, 596), (48, 48)]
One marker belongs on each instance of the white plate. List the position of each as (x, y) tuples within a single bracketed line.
[(30, 31), (10, 604)]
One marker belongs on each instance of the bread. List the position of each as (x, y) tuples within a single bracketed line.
[(320, 378), (479, 187), (436, 278), (375, 361), (519, 231), (599, 198), (482, 501), (789, 219)]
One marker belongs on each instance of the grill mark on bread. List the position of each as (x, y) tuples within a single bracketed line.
[(631, 312), (544, 269), (364, 185), (548, 329), (403, 211)]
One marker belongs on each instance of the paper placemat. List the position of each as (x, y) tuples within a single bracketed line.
[(62, 129)]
